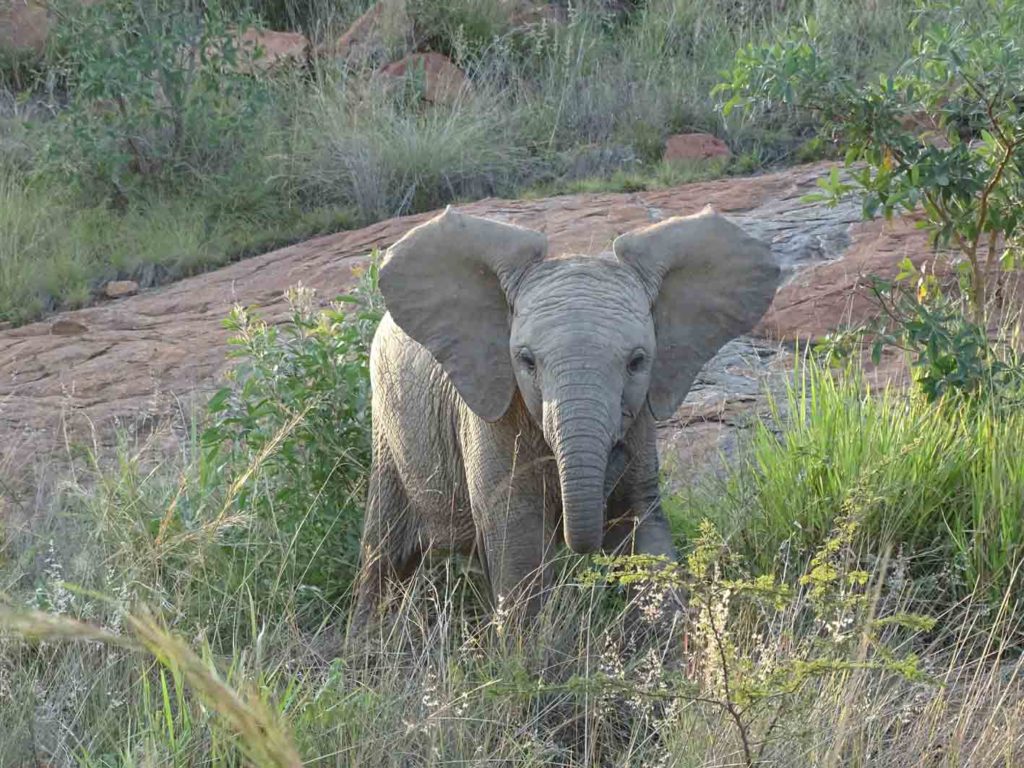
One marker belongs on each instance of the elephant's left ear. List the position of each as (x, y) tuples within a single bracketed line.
[(708, 281)]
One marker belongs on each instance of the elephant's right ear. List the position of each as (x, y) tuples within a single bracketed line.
[(446, 284), (708, 282)]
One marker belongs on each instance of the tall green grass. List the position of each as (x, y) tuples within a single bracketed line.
[(377, 155), (941, 484), (56, 252), (228, 674)]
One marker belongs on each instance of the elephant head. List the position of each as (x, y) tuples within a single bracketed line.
[(588, 342)]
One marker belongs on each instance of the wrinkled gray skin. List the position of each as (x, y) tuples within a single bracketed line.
[(515, 395)]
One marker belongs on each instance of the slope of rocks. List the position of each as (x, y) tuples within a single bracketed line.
[(150, 359)]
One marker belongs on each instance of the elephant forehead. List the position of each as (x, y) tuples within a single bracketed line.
[(583, 282)]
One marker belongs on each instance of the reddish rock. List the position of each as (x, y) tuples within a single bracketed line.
[(442, 81), (24, 25), (117, 289), (263, 50), (65, 327), (825, 297), (368, 39), (694, 146)]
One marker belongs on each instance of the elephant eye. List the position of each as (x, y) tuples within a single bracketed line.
[(528, 360), (636, 362)]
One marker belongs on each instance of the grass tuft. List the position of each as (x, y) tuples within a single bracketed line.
[(938, 483)]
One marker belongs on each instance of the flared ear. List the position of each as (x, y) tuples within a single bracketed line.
[(446, 284), (708, 282)]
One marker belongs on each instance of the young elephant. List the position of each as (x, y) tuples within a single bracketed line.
[(515, 395)]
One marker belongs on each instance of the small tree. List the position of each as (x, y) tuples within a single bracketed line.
[(158, 90), (756, 671), (944, 133)]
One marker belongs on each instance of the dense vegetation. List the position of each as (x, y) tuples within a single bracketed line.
[(853, 580), (126, 154), (944, 132)]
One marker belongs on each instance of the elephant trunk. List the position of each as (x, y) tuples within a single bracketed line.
[(581, 441)]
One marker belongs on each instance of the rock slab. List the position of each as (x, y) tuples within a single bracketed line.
[(118, 289), (440, 80), (150, 359), (24, 25), (694, 146)]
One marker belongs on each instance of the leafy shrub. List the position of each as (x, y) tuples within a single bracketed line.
[(963, 167), (953, 360), (826, 623), (295, 420), (159, 98)]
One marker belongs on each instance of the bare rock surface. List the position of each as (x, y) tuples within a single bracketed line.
[(440, 80), (24, 25), (118, 289), (694, 146), (151, 359), (261, 50)]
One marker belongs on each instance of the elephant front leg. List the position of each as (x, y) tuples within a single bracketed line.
[(655, 608), (517, 526), (637, 526), (517, 554), (636, 522)]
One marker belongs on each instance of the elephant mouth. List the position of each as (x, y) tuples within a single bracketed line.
[(616, 467)]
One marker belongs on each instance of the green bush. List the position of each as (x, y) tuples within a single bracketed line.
[(954, 362), (962, 166), (293, 427), (159, 98), (831, 611)]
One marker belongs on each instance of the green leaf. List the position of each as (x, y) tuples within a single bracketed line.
[(876, 352), (906, 269), (216, 403)]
